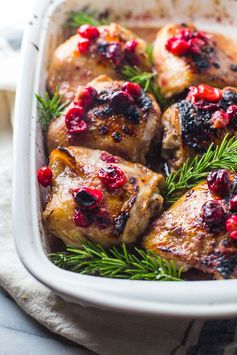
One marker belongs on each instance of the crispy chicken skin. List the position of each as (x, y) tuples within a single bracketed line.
[(129, 136), (180, 235), (107, 55), (123, 213), (188, 129), (214, 65)]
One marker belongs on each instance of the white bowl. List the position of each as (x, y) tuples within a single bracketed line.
[(186, 299)]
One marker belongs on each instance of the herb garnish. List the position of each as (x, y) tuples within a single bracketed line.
[(76, 19), (50, 107), (117, 262), (194, 170)]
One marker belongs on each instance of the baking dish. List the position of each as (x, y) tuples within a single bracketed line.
[(186, 299)]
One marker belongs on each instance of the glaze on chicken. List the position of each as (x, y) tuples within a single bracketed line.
[(184, 56), (189, 128), (115, 47), (116, 122), (180, 234), (99, 197)]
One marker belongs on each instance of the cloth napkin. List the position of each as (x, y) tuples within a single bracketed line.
[(100, 331)]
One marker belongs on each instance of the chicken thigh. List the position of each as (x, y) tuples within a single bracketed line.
[(99, 197), (120, 118), (184, 56), (101, 50), (193, 232)]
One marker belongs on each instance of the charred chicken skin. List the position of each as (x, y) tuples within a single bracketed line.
[(184, 56), (115, 116), (191, 125), (99, 197), (91, 52), (197, 231)]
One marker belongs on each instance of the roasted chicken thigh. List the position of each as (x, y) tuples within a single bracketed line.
[(194, 231), (191, 125), (184, 56), (115, 116), (92, 52), (99, 197)]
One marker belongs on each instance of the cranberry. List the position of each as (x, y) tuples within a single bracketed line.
[(108, 158), (83, 45), (232, 111), (219, 119), (130, 46), (231, 223), (233, 235), (45, 176), (74, 122), (81, 219), (87, 198), (112, 176), (114, 53), (133, 89), (120, 101), (88, 31), (195, 45), (102, 219), (205, 92), (177, 46), (212, 213), (218, 182), (86, 96), (233, 203)]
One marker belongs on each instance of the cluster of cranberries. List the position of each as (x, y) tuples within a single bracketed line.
[(88, 208), (187, 42), (206, 97), (123, 101), (114, 51), (75, 118), (213, 212)]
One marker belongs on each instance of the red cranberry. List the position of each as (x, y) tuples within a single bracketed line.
[(130, 46), (218, 182), (133, 89), (83, 45), (232, 111), (233, 235), (205, 92), (219, 119), (177, 46), (86, 96), (120, 101), (74, 122), (233, 203), (87, 198), (81, 219), (45, 176), (112, 176), (231, 223), (102, 219), (114, 53), (108, 158), (88, 31), (212, 213), (195, 45)]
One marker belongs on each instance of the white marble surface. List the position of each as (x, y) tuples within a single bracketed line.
[(20, 335)]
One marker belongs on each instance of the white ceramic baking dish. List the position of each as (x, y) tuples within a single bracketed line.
[(186, 299)]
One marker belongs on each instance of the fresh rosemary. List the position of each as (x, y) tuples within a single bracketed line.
[(117, 262), (146, 81), (76, 19), (193, 171), (149, 52), (49, 107)]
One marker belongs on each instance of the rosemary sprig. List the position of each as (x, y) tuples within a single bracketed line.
[(193, 171), (149, 52), (117, 262), (146, 81), (76, 19), (49, 107)]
